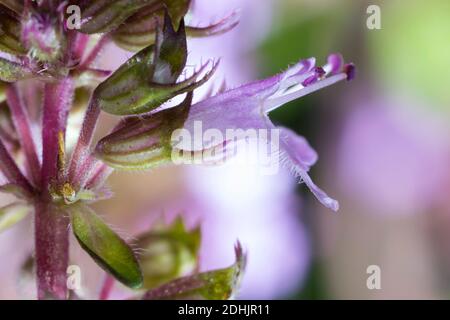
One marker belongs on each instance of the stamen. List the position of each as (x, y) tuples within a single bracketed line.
[(350, 71), (274, 102), (319, 73)]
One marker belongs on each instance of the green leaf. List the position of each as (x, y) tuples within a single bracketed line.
[(10, 32), (139, 30), (111, 252), (12, 214), (11, 71), (169, 252), (213, 285), (3, 87)]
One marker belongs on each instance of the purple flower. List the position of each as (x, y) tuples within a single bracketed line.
[(247, 107), (154, 139)]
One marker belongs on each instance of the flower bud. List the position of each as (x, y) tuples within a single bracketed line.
[(219, 284), (143, 142), (43, 36), (149, 78), (168, 252)]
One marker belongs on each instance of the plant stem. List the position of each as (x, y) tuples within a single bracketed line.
[(23, 128), (107, 286), (51, 225), (57, 101), (9, 168), (81, 151), (52, 251)]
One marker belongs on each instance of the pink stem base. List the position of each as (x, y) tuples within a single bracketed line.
[(52, 251)]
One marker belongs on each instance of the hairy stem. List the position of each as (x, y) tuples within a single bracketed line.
[(23, 129), (51, 250), (51, 225), (81, 151), (10, 170), (57, 101)]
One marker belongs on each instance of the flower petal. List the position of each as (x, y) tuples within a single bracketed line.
[(299, 156)]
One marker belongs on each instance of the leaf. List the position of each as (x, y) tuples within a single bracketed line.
[(12, 214), (10, 30), (143, 142), (213, 285), (11, 71), (15, 190), (169, 252), (111, 252)]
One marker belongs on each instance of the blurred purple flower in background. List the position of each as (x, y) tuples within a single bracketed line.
[(393, 155)]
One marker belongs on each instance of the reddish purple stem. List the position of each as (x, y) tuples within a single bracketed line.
[(51, 251), (99, 175), (11, 171), (51, 225), (22, 124), (57, 102), (108, 284), (81, 151)]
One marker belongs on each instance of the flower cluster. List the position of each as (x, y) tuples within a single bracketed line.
[(57, 182)]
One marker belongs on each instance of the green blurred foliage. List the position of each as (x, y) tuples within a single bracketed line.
[(411, 51)]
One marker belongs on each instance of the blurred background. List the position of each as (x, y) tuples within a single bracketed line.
[(384, 149)]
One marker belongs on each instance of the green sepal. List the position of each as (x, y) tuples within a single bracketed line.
[(168, 252), (220, 284)]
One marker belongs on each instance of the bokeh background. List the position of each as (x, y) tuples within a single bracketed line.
[(384, 149)]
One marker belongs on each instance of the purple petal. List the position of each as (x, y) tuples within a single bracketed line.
[(299, 157), (335, 62)]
